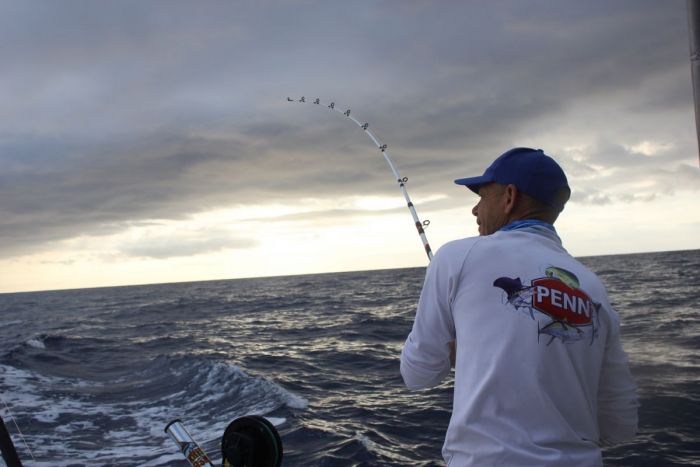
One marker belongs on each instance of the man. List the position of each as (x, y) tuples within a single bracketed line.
[(540, 375)]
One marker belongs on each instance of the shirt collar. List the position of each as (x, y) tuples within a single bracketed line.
[(537, 227), (515, 225)]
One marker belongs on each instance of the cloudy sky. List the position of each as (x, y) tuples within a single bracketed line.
[(147, 142)]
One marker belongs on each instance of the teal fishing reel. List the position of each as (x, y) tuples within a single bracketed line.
[(250, 441)]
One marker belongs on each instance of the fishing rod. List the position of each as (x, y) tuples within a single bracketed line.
[(7, 448), (420, 226)]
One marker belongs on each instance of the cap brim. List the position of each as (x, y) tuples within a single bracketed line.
[(473, 183)]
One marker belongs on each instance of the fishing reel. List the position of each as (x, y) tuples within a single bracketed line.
[(250, 441)]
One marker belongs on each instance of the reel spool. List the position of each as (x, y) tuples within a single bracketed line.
[(251, 441)]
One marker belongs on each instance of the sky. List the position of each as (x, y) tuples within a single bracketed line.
[(149, 142)]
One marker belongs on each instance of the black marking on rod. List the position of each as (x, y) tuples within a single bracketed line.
[(365, 126), (410, 204), (317, 101), (332, 105), (419, 226), (347, 113), (302, 99), (428, 250), (383, 147), (289, 99)]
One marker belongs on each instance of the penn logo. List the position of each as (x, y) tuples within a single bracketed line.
[(562, 303)]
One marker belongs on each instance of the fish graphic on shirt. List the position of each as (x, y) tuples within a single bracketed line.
[(518, 295), (564, 310)]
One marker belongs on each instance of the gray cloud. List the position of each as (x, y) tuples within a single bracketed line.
[(590, 197), (333, 215), (188, 244), (117, 113)]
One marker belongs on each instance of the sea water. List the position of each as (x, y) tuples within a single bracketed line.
[(92, 376)]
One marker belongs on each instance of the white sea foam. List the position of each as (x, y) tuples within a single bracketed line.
[(277, 421), (27, 395), (36, 343), (293, 401), (366, 442), (75, 426)]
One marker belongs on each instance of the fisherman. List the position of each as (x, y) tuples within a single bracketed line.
[(537, 382)]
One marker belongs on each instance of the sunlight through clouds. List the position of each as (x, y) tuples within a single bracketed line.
[(138, 147)]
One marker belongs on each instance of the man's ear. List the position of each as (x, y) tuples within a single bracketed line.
[(510, 197)]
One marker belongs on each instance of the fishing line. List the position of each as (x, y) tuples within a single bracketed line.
[(420, 226), (21, 435)]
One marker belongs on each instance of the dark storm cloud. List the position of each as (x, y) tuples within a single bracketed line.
[(115, 113)]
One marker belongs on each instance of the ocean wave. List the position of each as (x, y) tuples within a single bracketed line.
[(207, 394), (13, 322), (58, 342)]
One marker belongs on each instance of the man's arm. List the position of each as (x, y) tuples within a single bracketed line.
[(617, 394), (425, 358)]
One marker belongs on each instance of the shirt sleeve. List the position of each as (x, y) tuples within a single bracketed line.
[(425, 358), (617, 394)]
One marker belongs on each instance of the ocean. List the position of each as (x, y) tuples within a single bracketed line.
[(92, 376)]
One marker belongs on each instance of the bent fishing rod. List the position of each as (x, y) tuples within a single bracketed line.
[(420, 226), (253, 440)]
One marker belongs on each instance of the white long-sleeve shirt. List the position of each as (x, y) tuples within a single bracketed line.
[(540, 375)]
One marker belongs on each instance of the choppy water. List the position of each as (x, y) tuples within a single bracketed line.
[(92, 376)]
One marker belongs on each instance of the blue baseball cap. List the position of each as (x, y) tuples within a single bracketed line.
[(530, 170)]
